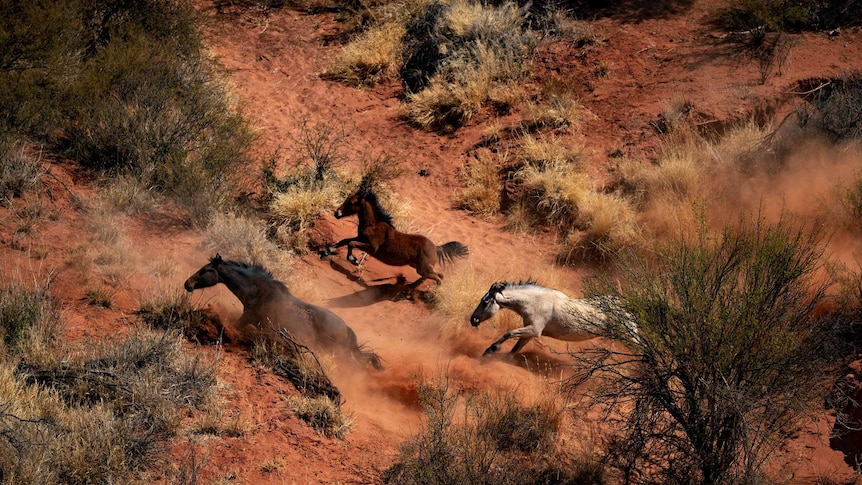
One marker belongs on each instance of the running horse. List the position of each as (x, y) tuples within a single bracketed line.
[(378, 237), (547, 312), (269, 306)]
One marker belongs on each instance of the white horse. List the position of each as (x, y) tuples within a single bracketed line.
[(545, 312)]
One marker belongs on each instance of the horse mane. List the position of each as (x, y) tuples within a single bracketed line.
[(251, 269), (519, 284), (379, 211)]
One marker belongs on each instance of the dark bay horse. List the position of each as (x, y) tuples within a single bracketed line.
[(268, 306), (379, 238)]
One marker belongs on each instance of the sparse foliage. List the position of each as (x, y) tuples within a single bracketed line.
[(94, 415), (728, 358), (20, 170), (498, 441), (124, 88), (835, 108), (310, 185)]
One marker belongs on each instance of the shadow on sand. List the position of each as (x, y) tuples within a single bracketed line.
[(537, 362), (371, 294)]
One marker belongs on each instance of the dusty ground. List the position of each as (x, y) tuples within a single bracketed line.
[(273, 59)]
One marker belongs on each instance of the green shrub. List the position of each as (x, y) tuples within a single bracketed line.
[(124, 87), (22, 310), (761, 16), (728, 357), (19, 170)]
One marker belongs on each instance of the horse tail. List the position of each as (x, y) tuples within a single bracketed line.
[(361, 353), (451, 251)]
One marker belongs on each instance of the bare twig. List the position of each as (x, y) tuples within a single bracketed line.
[(804, 93)]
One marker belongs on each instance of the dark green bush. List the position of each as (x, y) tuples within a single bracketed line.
[(123, 87), (836, 109), (760, 16)]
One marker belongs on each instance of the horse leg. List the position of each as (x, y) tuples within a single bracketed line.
[(426, 271), (520, 344), (360, 245), (522, 333), (359, 353), (331, 249)]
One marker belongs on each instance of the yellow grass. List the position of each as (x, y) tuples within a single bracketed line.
[(483, 184), (372, 57), (609, 223), (244, 239), (550, 153)]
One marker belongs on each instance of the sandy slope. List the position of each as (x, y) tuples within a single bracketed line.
[(273, 58)]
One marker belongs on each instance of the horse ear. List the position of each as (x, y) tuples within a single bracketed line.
[(217, 258), (365, 184)]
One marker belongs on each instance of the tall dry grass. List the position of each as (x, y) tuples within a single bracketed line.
[(20, 169), (94, 413), (483, 184), (487, 438), (372, 57)]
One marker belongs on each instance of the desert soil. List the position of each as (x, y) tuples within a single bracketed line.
[(643, 63)]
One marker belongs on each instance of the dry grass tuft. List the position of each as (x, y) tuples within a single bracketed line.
[(560, 24), (243, 238), (456, 299), (610, 226), (558, 109), (468, 51), (497, 440), (216, 420), (325, 416), (294, 213), (483, 185), (554, 190), (95, 414), (550, 153), (128, 195), (372, 57), (20, 169)]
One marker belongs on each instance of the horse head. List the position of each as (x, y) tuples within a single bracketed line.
[(488, 306), (350, 206), (206, 276)]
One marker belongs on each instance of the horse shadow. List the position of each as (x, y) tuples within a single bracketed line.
[(537, 362), (370, 294)]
